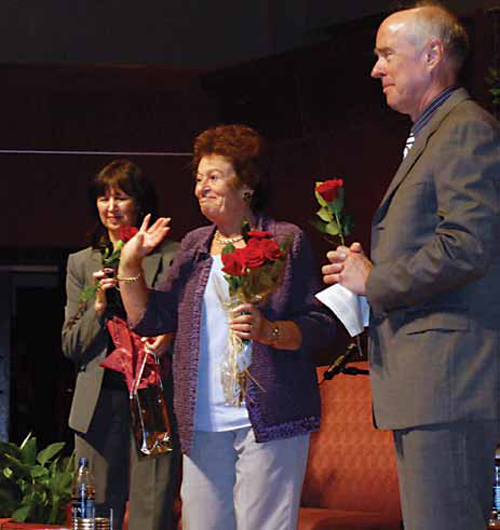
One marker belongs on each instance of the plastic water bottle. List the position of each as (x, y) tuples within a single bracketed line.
[(495, 509), (82, 495)]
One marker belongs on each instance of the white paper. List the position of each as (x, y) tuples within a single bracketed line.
[(351, 309)]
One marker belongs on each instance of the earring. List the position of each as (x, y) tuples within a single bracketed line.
[(247, 196)]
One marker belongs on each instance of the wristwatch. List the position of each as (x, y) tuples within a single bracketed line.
[(276, 333)]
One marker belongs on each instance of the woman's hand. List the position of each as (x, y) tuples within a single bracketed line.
[(146, 239), (107, 280), (249, 323), (158, 345)]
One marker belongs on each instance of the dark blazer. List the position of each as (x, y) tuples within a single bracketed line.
[(435, 286), (86, 341)]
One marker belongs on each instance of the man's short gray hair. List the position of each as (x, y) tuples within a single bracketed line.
[(435, 20)]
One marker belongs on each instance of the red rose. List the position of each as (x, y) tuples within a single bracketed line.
[(127, 232), (233, 263), (254, 242), (270, 249), (329, 189), (259, 234), (252, 254)]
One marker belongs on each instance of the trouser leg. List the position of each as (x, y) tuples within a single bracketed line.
[(269, 479), (106, 446), (232, 482), (208, 478), (446, 475)]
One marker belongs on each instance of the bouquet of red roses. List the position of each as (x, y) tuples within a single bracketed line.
[(252, 273)]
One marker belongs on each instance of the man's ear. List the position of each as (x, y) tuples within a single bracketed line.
[(434, 53)]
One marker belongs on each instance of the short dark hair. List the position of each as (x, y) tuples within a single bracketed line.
[(128, 177), (244, 148)]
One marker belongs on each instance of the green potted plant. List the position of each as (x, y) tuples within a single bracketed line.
[(35, 486)]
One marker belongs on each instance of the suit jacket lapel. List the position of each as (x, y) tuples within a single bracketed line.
[(150, 266), (418, 147), (95, 262)]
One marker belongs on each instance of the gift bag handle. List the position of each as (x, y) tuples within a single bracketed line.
[(138, 378)]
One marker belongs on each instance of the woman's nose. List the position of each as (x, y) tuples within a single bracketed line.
[(202, 186)]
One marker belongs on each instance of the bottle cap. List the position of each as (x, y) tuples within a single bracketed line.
[(83, 461)]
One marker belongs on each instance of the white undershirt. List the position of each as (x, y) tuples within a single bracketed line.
[(211, 413)]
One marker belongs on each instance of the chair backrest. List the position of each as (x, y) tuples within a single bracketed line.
[(351, 464)]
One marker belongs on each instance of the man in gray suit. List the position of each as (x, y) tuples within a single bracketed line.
[(433, 280)]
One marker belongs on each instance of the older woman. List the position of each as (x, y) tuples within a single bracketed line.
[(119, 195), (243, 466)]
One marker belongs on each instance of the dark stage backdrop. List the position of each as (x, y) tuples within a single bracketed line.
[(318, 106)]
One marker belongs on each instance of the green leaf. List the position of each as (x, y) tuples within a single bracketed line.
[(17, 467), (319, 198), (10, 449), (332, 229), (21, 514), (69, 463), (228, 248), (28, 451), (319, 225), (496, 95), (49, 452), (325, 214), (34, 488), (39, 472), (112, 260)]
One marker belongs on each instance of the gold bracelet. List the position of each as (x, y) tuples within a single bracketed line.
[(129, 279)]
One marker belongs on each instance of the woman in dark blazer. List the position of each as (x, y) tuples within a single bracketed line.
[(100, 417)]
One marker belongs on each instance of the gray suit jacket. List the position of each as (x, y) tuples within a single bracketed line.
[(86, 341), (435, 287)]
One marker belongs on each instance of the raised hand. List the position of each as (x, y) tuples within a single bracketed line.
[(146, 239)]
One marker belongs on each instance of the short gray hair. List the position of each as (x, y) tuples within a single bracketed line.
[(435, 20)]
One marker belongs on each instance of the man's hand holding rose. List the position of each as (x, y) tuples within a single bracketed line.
[(348, 266)]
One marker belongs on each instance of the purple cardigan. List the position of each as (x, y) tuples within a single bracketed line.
[(288, 403)]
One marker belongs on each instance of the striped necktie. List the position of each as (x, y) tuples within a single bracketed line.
[(409, 143)]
